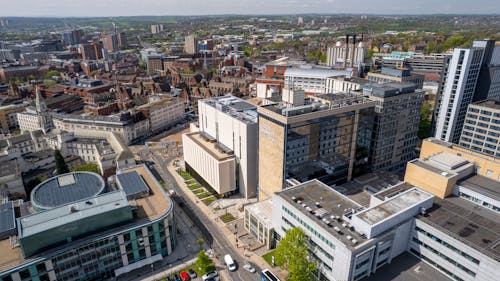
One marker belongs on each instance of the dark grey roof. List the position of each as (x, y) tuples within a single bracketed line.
[(7, 219), (132, 183), (482, 185), (475, 226), (67, 188)]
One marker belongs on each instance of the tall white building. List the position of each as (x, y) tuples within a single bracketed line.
[(457, 91), (223, 152)]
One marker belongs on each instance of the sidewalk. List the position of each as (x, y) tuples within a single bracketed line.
[(250, 256), (169, 271)]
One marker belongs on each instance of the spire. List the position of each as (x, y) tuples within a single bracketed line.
[(39, 101)]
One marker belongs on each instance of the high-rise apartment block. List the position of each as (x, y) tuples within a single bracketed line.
[(472, 74), (457, 91), (91, 51), (481, 131), (156, 28), (191, 44), (110, 42), (223, 153)]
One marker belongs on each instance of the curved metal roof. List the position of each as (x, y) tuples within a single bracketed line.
[(66, 188)]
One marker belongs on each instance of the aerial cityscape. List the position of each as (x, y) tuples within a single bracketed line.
[(322, 140)]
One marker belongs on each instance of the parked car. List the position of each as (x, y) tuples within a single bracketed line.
[(192, 273), (209, 275), (177, 278), (248, 267), (184, 276)]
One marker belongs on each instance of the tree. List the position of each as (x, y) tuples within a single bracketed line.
[(89, 167), (61, 167), (291, 253), (51, 73), (204, 263)]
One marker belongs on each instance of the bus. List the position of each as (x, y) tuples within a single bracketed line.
[(267, 275)]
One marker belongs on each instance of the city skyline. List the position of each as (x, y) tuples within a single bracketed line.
[(93, 8)]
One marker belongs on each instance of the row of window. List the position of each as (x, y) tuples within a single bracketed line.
[(441, 255), (309, 228), (447, 245)]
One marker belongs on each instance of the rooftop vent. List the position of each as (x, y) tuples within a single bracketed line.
[(72, 209), (318, 204), (423, 211), (354, 241), (349, 237), (294, 198)]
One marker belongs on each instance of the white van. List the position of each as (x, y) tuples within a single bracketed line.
[(230, 262)]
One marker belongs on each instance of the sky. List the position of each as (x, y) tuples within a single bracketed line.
[(97, 8)]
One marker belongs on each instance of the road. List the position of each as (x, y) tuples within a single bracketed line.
[(211, 232)]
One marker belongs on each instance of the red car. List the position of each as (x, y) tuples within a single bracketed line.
[(184, 276)]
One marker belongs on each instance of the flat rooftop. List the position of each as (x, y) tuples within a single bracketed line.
[(475, 226), (332, 207), (491, 104), (8, 167), (263, 210), (234, 106), (482, 185), (316, 107), (157, 203), (132, 183), (11, 256), (407, 267), (393, 206), (211, 146), (361, 188), (49, 219), (7, 217), (389, 89)]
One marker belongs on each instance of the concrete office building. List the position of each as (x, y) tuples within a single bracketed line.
[(349, 241), (154, 63), (162, 113), (481, 131), (95, 238), (397, 118), (457, 91), (191, 44), (310, 79), (317, 139), (223, 152), (344, 84), (346, 54), (444, 213), (401, 75)]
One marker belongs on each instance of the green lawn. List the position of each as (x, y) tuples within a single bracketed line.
[(227, 217), (268, 257), (204, 194), (194, 186), (209, 200), (184, 175), (198, 191)]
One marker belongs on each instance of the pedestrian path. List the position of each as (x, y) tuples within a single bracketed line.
[(250, 256)]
